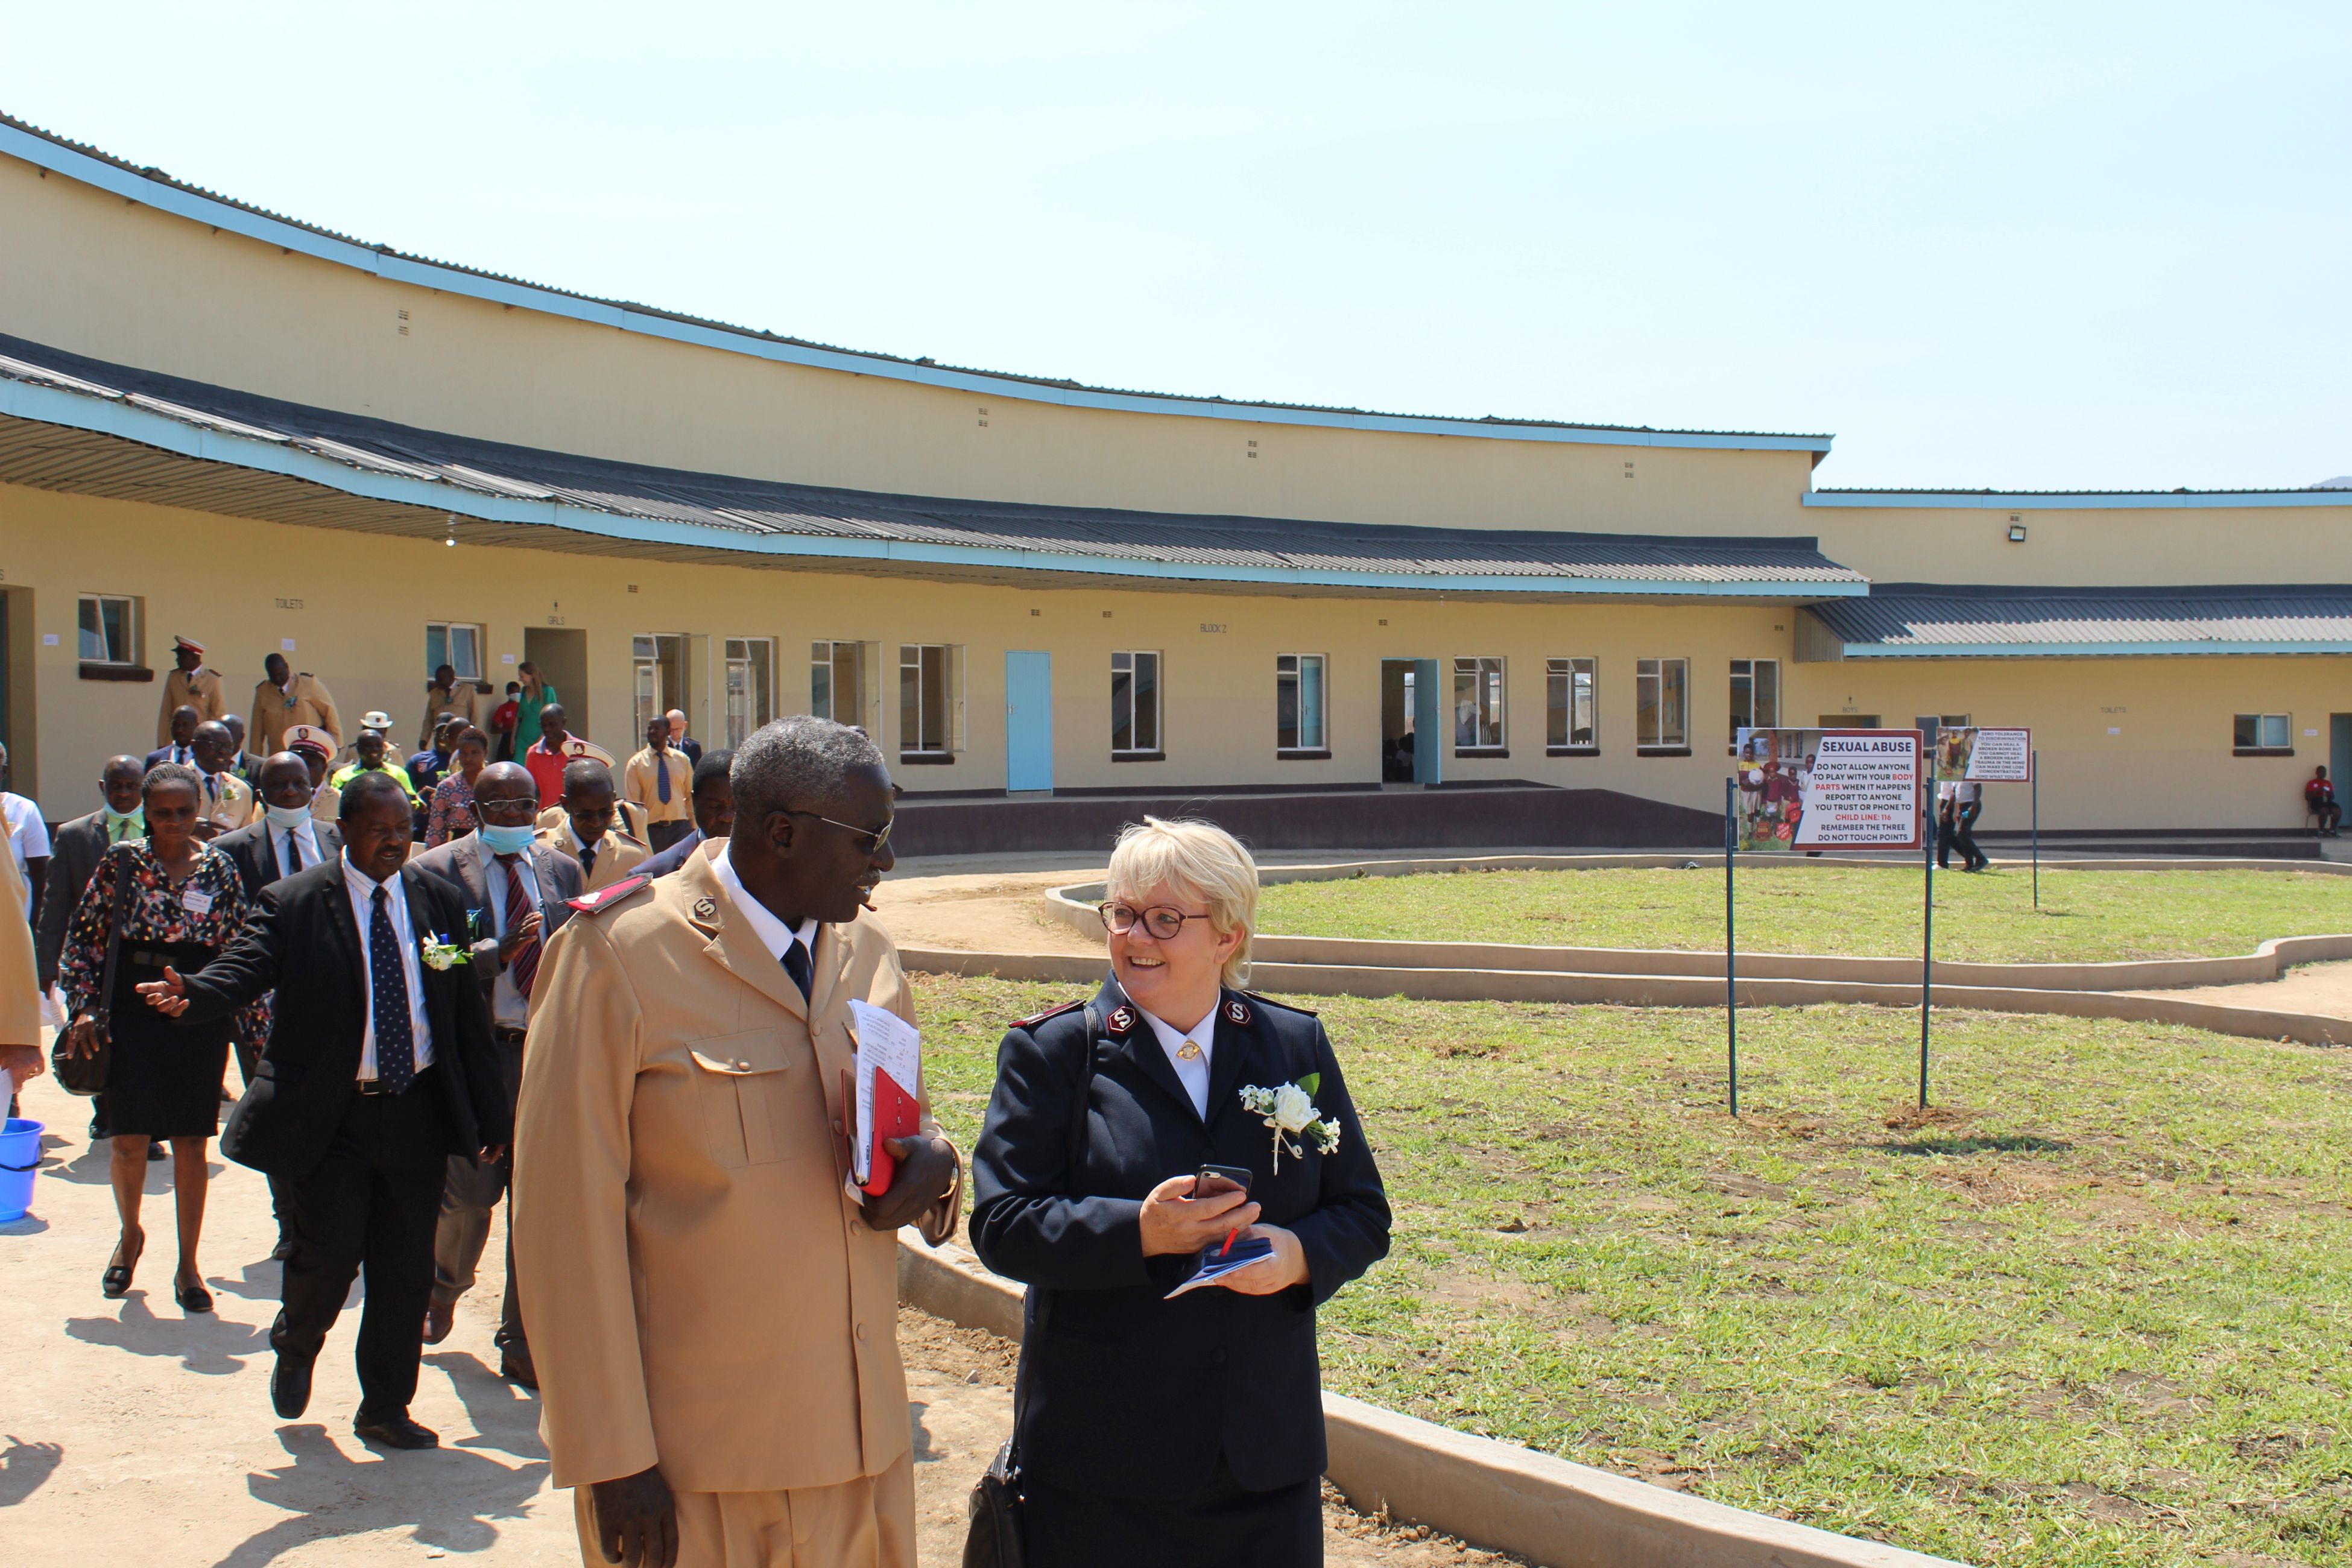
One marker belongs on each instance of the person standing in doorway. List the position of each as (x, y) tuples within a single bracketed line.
[(543, 758), (679, 740), (714, 814), (531, 707), (190, 685), (659, 782), (381, 1067), (515, 889), (286, 698)]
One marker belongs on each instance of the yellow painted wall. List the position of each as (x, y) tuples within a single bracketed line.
[(365, 600), (2135, 547)]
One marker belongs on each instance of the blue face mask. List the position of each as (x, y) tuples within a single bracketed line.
[(506, 840), (286, 818)]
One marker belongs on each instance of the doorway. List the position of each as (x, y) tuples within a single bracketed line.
[(1028, 722), (560, 656), (1413, 722), (659, 677)]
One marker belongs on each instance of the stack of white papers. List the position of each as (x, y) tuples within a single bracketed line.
[(888, 1042)]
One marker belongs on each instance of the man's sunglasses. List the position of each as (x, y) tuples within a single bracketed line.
[(1160, 919), (871, 838)]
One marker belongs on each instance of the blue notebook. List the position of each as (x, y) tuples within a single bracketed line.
[(1246, 1250)]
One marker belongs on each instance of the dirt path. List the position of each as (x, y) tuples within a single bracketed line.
[(2322, 988), (980, 913), (130, 1432)]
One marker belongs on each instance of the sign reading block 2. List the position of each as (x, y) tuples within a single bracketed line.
[(1828, 789)]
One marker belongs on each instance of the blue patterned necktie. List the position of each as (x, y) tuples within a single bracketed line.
[(661, 775), (396, 1043)]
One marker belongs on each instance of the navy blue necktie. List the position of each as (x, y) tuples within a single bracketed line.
[(396, 1043), (661, 775), (796, 964)]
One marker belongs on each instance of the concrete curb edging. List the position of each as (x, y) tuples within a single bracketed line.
[(1673, 991), (1490, 1494)]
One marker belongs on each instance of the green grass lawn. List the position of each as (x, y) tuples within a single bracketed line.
[(1853, 910), (2093, 1313)]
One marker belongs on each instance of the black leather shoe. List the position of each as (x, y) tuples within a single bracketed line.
[(283, 1251), (395, 1431), (289, 1387), (515, 1366)]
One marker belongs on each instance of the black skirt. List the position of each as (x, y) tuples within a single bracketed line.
[(1225, 1524), (163, 1078)]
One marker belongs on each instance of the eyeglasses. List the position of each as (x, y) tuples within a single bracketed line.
[(1160, 919), (874, 837), (517, 809)]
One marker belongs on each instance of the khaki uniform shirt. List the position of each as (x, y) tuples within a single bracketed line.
[(228, 802), (199, 688), (627, 815), (465, 703), (305, 700), (640, 784), (325, 804), (701, 1290), (617, 853)]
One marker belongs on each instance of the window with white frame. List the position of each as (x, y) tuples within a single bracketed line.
[(750, 687), (836, 690), (109, 629), (456, 644), (930, 701), (1755, 696), (1298, 703), (1572, 705), (2264, 734), (1135, 705), (1478, 704), (1662, 705)]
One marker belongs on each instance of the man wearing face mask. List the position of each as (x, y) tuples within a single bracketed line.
[(79, 845), (765, 1401), (515, 888)]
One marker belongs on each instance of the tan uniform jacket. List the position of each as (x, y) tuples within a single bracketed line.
[(640, 785), (306, 700), (617, 853), (463, 702), (631, 818), (229, 802), (325, 804), (199, 688), (20, 985), (699, 1291)]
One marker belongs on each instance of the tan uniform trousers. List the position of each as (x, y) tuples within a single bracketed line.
[(866, 1523)]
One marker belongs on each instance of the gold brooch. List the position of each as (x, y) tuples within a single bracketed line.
[(1190, 1050)]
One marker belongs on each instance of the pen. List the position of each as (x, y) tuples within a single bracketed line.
[(1229, 1243)]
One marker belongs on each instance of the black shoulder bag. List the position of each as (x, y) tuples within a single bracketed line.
[(87, 1075), (994, 1537)]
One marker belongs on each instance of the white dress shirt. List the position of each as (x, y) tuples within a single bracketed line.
[(28, 837), (301, 834), (362, 888), (509, 1006), (1194, 1073), (773, 933)]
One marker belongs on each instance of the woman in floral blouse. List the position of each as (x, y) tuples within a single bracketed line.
[(184, 903), (453, 797)]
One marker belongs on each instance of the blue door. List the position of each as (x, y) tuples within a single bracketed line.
[(1028, 720)]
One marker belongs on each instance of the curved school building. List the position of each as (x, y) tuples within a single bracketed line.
[(1054, 604)]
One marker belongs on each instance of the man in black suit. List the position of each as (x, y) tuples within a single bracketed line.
[(714, 814), (515, 889), (378, 1068), (77, 847), (183, 749)]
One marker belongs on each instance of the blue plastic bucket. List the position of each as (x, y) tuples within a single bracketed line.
[(20, 1154)]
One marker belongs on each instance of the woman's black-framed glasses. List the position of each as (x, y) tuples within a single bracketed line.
[(1161, 920), (873, 838)]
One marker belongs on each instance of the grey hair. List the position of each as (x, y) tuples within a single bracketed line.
[(797, 762)]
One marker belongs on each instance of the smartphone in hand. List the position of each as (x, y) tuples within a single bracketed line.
[(1211, 1180)]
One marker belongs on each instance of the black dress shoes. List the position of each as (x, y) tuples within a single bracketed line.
[(515, 1366), (395, 1431), (289, 1387), (283, 1250)]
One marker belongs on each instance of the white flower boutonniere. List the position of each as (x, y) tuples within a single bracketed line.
[(440, 952), (1289, 1110)]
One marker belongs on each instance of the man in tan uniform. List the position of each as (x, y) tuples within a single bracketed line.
[(586, 825), (192, 685), (447, 694), (712, 1309), (287, 698)]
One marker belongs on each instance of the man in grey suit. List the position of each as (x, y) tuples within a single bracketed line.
[(77, 848), (515, 889)]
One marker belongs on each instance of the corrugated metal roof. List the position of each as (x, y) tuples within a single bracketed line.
[(1013, 381), (1916, 617), (733, 507)]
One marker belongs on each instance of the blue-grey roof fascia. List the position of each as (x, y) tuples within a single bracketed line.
[(112, 416), (2086, 650), (2123, 500), (182, 202)]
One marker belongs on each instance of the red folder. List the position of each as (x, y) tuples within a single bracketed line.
[(896, 1115)]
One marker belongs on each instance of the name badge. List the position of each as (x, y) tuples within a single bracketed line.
[(196, 901)]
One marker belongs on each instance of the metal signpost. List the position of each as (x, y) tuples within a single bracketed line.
[(1806, 790), (1983, 755), (1927, 827)]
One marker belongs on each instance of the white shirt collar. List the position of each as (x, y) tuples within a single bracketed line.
[(1193, 1074), (773, 933), (364, 885)]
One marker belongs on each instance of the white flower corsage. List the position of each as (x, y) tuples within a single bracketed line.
[(1290, 1110), (440, 952)]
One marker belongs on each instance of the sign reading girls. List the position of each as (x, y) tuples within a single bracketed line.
[(1828, 789)]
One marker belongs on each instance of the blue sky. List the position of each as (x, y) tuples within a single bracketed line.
[(2110, 247)]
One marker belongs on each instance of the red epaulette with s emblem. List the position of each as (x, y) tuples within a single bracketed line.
[(605, 898), (1035, 1019)]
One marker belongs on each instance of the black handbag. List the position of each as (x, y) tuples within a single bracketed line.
[(994, 1536), (87, 1075)]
